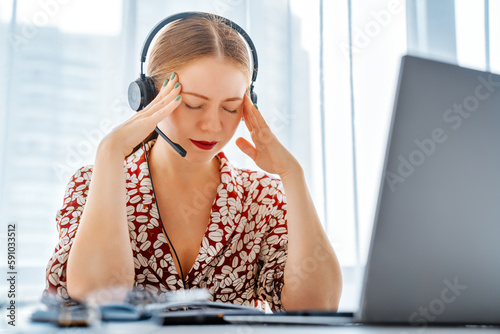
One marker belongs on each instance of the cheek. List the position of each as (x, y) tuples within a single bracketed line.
[(233, 123), (234, 120), (179, 117), (173, 122)]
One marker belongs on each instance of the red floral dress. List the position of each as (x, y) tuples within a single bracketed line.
[(242, 254)]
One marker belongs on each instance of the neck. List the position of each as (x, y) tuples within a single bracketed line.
[(169, 167)]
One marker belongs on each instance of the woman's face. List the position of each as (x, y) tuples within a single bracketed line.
[(211, 108)]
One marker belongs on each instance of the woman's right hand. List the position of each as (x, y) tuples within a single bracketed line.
[(129, 134)]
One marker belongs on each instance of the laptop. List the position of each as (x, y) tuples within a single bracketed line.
[(434, 257), (435, 251)]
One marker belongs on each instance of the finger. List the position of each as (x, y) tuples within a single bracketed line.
[(259, 119), (168, 86), (163, 101), (255, 116), (171, 81), (261, 133), (246, 117), (166, 110), (258, 133), (148, 123), (246, 147), (250, 119)]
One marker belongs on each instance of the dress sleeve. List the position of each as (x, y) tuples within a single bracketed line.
[(67, 220), (274, 248)]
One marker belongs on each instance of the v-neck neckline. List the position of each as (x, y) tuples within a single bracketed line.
[(188, 275), (219, 222)]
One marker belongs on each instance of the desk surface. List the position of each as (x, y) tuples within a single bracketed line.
[(23, 325), (148, 327)]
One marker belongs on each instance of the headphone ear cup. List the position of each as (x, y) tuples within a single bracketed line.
[(140, 93), (135, 95), (150, 91), (253, 97)]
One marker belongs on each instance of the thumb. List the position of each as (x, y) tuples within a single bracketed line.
[(246, 147)]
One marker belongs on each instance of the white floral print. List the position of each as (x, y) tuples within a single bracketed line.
[(243, 252)]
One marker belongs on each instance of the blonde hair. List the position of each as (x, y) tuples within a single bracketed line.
[(186, 40), (189, 39)]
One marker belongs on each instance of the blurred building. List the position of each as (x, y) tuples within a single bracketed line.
[(63, 91)]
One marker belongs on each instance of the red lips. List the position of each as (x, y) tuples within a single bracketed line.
[(204, 145)]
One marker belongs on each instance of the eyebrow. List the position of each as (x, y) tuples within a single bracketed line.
[(206, 98)]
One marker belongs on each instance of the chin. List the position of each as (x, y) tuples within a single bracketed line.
[(196, 156)]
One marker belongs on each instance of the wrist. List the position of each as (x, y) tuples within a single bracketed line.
[(295, 171), (108, 149)]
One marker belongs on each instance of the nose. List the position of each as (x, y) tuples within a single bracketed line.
[(210, 121)]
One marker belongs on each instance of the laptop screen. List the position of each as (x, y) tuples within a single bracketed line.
[(434, 255)]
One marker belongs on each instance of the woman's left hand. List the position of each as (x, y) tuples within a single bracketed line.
[(269, 154)]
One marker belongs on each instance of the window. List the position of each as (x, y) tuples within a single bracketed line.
[(327, 77)]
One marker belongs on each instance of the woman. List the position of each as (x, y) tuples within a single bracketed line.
[(234, 230)]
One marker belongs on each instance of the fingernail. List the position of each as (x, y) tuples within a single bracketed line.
[(178, 98), (165, 82), (255, 105), (176, 85), (172, 76)]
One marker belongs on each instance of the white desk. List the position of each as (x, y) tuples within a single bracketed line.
[(148, 326)]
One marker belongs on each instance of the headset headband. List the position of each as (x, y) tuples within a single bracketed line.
[(184, 15), (142, 91)]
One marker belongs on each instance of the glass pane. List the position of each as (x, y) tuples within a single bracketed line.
[(378, 43), (494, 10), (469, 20), (64, 93)]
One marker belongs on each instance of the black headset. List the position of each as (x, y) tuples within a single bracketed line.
[(142, 91)]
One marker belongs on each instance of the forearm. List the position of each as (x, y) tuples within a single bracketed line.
[(101, 256), (312, 276)]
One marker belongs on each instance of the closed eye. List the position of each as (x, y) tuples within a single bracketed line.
[(199, 107), (191, 107)]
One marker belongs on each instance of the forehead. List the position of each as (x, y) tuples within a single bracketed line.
[(213, 77)]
